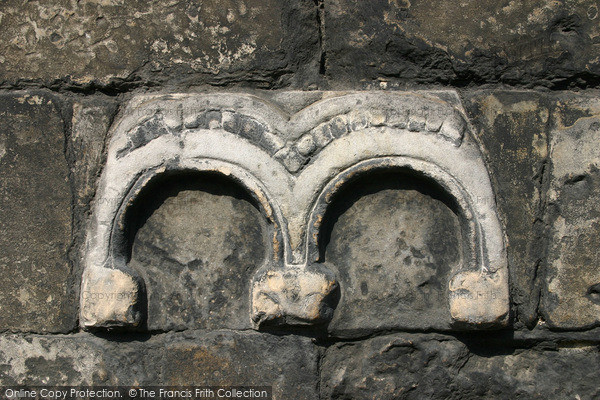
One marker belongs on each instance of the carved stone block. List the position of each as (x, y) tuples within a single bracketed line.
[(293, 154)]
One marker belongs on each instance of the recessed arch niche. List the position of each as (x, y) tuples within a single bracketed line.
[(196, 238), (394, 238), (409, 230), (185, 241)]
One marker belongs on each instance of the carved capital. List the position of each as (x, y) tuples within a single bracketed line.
[(293, 295), (111, 298), (479, 299)]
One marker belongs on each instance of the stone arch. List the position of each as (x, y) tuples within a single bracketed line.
[(126, 307), (472, 234), (235, 175), (478, 291), (259, 144)]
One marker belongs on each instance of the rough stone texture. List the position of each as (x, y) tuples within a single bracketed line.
[(288, 364), (89, 129), (395, 244), (111, 298), (513, 129), (90, 121), (429, 366), (200, 243), (208, 259), (572, 295), (79, 359), (117, 44), (229, 134), (542, 42), (35, 216), (479, 300), (294, 296)]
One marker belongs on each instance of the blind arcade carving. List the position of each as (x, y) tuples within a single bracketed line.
[(293, 164)]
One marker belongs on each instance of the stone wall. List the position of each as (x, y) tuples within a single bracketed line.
[(523, 77)]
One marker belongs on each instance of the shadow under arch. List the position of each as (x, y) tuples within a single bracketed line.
[(477, 288), (398, 238), (148, 192), (170, 184), (406, 173), (154, 186), (372, 182)]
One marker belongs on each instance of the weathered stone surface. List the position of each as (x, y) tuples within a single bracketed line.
[(36, 293), (294, 296), (116, 43), (80, 359), (111, 298), (201, 241), (89, 130), (288, 364), (395, 244), (47, 360), (85, 149), (423, 134), (572, 295), (434, 367), (512, 127), (542, 42), (479, 299)]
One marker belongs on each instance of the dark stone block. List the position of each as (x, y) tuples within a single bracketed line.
[(37, 292), (552, 44), (513, 129), (288, 363), (116, 45), (430, 366)]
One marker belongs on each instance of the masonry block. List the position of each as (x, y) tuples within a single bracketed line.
[(571, 299), (383, 44), (292, 157), (289, 365), (513, 129), (118, 45), (406, 366), (37, 294)]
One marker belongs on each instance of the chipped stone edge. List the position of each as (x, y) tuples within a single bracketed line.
[(293, 198)]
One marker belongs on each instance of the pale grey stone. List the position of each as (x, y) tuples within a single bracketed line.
[(571, 299), (294, 191)]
